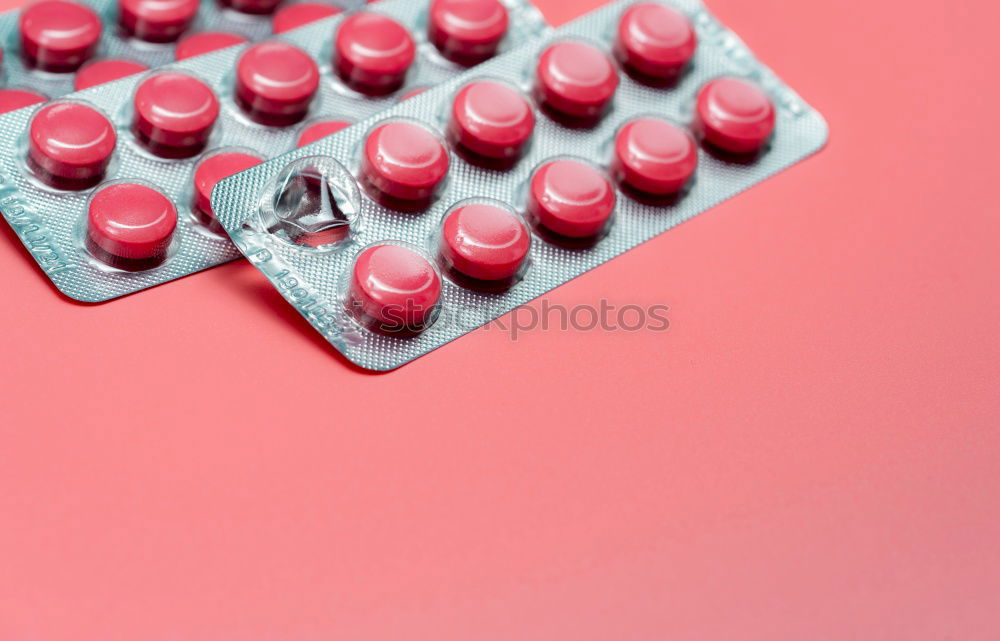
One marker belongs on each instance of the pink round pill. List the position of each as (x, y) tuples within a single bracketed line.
[(576, 79), (734, 115), (491, 119), (654, 156), (129, 222), (319, 130), (294, 16), (213, 169), (58, 35), (467, 31), (70, 145), (100, 71), (276, 83), (156, 20), (404, 160), (205, 42), (655, 40), (372, 53), (484, 242), (252, 6), (571, 198), (174, 114), (395, 286), (12, 99)]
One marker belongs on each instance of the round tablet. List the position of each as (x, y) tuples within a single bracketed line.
[(296, 15), (484, 242), (654, 156), (655, 40), (156, 20), (174, 114), (215, 168), (734, 115), (467, 31), (319, 130), (11, 99), (404, 160), (70, 143), (275, 83), (491, 119), (395, 286), (571, 198), (101, 71), (130, 221), (373, 52), (576, 79), (57, 35), (205, 42), (252, 6)]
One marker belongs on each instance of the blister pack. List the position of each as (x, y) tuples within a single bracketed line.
[(109, 187), (407, 230)]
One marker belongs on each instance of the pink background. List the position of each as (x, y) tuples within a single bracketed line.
[(811, 451)]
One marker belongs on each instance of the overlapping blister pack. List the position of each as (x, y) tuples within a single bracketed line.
[(409, 229), (109, 187)]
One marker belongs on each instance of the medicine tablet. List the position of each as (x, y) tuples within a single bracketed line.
[(405, 160), (491, 119), (174, 114), (205, 42), (275, 83), (484, 242), (576, 79), (655, 40), (11, 99), (213, 169), (129, 222), (571, 198), (297, 15), (58, 35), (70, 145), (654, 156), (394, 286), (319, 130), (467, 31), (372, 53), (156, 20), (101, 71), (251, 6), (734, 115)]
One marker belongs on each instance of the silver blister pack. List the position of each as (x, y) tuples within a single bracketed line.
[(52, 222), (318, 282)]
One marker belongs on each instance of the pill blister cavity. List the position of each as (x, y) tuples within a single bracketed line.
[(70, 145), (372, 53), (483, 244), (655, 43), (575, 82), (394, 288), (130, 225), (58, 35), (404, 164), (734, 117), (570, 201), (467, 31)]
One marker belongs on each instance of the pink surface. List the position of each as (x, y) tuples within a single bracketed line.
[(810, 452)]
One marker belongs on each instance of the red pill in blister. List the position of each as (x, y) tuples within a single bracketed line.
[(404, 160), (297, 15), (571, 198), (394, 286), (484, 241), (101, 71), (205, 42), (576, 79), (655, 40), (70, 145), (491, 119), (174, 114), (255, 7), (372, 53), (209, 172), (12, 99), (734, 115), (319, 130), (275, 83), (129, 223), (156, 20), (58, 35), (467, 31), (654, 156)]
